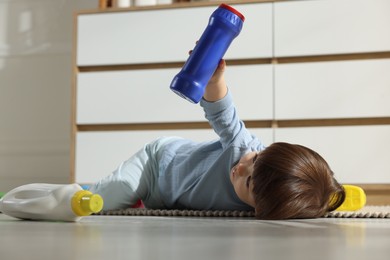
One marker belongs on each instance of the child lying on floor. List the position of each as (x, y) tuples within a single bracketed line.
[(235, 172)]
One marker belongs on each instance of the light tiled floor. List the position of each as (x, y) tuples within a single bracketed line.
[(121, 237)]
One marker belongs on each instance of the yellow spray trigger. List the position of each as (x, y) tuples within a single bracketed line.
[(355, 198)]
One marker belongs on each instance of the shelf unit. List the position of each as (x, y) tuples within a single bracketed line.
[(301, 71)]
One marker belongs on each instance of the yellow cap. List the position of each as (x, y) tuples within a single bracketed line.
[(85, 203), (355, 198)]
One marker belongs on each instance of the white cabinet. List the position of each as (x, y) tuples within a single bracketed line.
[(165, 35), (331, 27), (143, 96), (343, 89), (134, 96)]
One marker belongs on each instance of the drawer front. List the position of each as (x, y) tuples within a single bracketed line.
[(153, 36), (357, 154), (332, 90), (331, 27), (99, 153), (143, 96)]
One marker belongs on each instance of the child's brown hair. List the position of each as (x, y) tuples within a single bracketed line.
[(293, 181)]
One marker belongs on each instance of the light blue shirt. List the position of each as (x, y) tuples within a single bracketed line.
[(197, 175)]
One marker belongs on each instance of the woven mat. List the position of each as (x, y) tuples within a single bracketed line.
[(366, 212)]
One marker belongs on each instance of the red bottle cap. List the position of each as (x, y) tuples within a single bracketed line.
[(231, 9)]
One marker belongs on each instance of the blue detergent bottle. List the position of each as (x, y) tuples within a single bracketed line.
[(224, 25)]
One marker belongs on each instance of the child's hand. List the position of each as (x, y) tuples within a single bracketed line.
[(218, 73), (216, 88)]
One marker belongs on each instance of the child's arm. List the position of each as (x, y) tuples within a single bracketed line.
[(216, 88), (221, 112), (219, 108)]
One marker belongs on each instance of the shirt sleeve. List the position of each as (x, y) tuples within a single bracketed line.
[(223, 118)]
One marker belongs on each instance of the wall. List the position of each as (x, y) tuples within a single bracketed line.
[(35, 89)]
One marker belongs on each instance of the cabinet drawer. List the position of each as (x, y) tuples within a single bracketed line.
[(143, 96), (331, 27), (99, 153), (165, 35), (357, 154), (332, 90)]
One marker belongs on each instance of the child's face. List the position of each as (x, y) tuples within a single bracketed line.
[(240, 176)]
